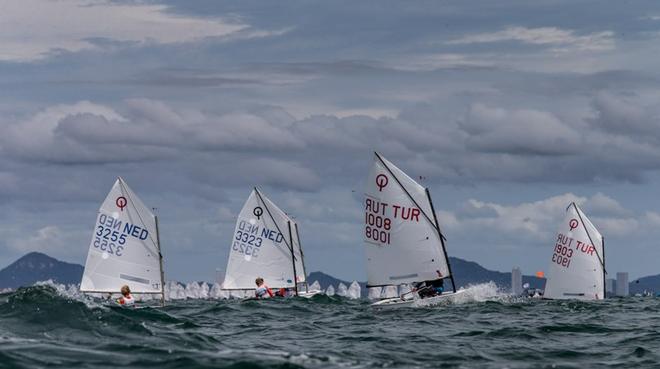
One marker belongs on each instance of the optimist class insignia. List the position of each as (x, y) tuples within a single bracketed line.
[(121, 202), (381, 182)]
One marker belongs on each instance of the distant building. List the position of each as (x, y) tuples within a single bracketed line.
[(609, 286), (622, 284), (516, 281)]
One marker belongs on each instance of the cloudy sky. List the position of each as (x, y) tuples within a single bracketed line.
[(510, 110)]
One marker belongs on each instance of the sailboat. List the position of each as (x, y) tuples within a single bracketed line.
[(402, 237), (577, 264), (125, 247), (266, 243)]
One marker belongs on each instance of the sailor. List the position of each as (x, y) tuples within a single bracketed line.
[(126, 298), (431, 288), (438, 285), (262, 291)]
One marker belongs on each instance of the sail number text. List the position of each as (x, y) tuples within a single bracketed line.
[(564, 249), (378, 219), (111, 233), (248, 239)]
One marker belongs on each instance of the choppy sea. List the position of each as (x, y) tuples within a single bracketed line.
[(46, 326)]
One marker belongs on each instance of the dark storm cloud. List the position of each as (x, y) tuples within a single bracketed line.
[(486, 143), (626, 116), (511, 98)]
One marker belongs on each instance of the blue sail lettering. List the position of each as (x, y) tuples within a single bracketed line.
[(272, 235)]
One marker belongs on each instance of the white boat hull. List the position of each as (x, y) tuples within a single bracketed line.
[(309, 294), (397, 302), (394, 302)]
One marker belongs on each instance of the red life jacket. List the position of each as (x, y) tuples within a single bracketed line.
[(259, 292), (126, 300)]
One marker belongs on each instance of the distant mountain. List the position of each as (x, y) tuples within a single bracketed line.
[(469, 272), (35, 267), (650, 284)]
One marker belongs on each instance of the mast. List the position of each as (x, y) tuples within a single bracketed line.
[(293, 259), (302, 257), (602, 242), (442, 240), (160, 261)]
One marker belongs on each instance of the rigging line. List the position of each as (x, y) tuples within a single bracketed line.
[(290, 247), (127, 194), (302, 256), (428, 219), (602, 264)]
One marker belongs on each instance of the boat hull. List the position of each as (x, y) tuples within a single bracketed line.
[(397, 302), (309, 294)]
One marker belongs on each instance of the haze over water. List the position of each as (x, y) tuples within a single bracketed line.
[(44, 328)]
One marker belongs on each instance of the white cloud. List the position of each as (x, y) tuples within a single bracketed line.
[(35, 137), (90, 133), (45, 239), (605, 205), (518, 131), (627, 115), (536, 221), (530, 220), (559, 39), (31, 29), (487, 142), (441, 61)]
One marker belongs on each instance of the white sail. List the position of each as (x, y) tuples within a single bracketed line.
[(375, 292), (576, 266), (261, 246), (401, 240), (124, 249)]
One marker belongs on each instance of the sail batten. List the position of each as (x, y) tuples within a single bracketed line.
[(403, 243), (122, 250), (576, 266)]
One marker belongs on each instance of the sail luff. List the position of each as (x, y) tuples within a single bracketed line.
[(290, 247), (584, 225), (404, 188), (273, 210), (126, 193)]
